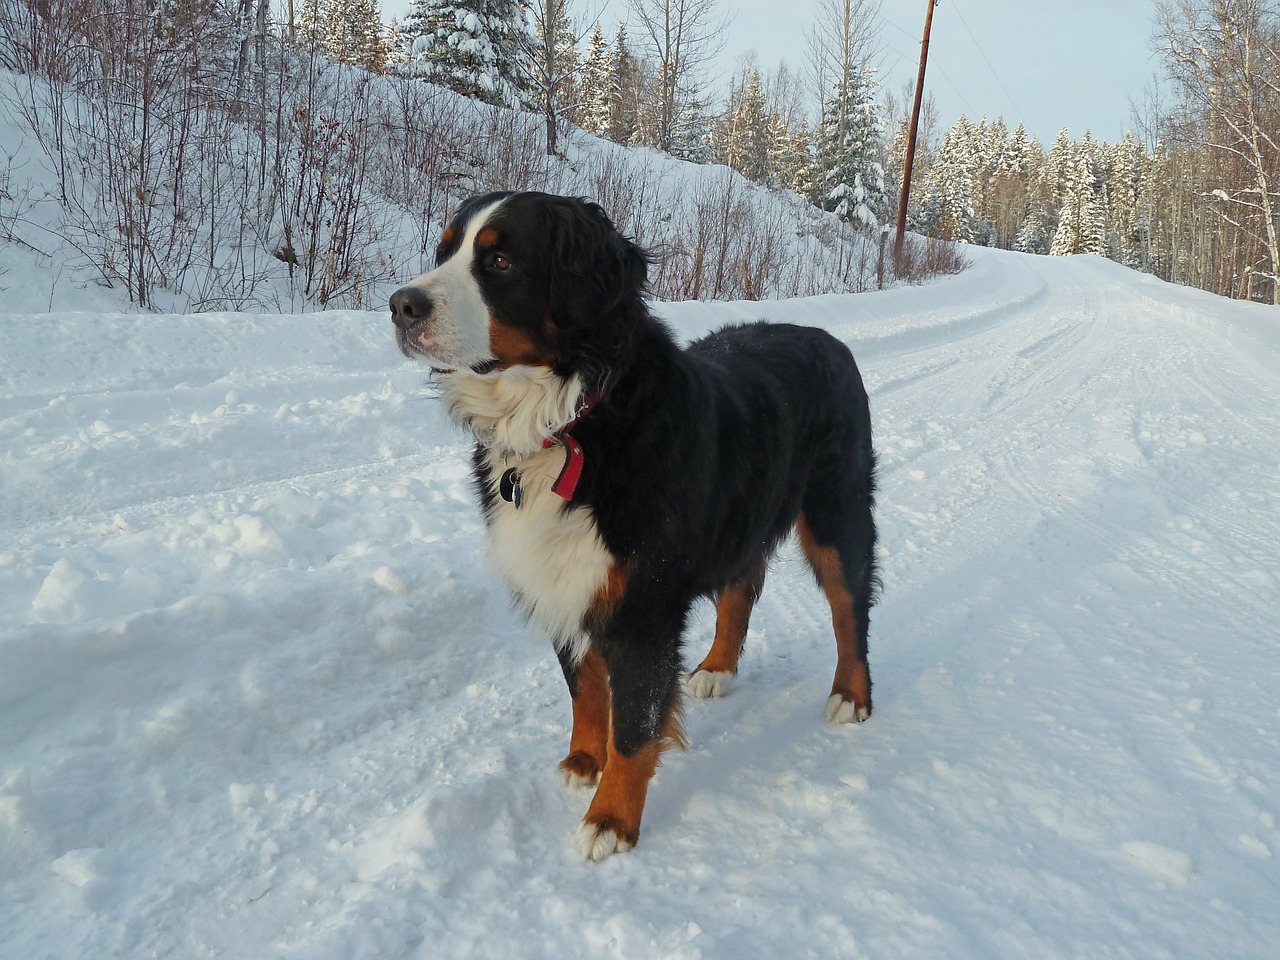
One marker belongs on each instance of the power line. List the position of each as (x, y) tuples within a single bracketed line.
[(933, 70), (955, 6)]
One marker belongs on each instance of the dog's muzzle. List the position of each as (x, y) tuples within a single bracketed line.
[(410, 306), (411, 309)]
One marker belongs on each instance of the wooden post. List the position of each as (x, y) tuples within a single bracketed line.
[(911, 137)]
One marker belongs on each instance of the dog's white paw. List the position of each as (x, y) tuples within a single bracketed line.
[(579, 781), (580, 769), (840, 710), (710, 683), (596, 842)]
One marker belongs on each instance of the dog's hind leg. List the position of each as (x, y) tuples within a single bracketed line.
[(847, 577), (714, 675)]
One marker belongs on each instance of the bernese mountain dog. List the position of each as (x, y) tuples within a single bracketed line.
[(622, 476)]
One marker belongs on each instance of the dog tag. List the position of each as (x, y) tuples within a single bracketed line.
[(509, 487)]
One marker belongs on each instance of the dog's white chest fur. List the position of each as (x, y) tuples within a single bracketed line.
[(549, 553)]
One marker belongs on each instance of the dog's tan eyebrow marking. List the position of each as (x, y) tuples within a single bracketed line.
[(446, 238), (488, 238)]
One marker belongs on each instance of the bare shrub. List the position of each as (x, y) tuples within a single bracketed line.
[(423, 160), (509, 150), (923, 258), (712, 236), (117, 99), (331, 229), (34, 38), (727, 245)]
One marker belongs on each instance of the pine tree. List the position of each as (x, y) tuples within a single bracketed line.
[(1033, 236), (692, 131), (625, 89), (1010, 191), (594, 99), (851, 179), (396, 53), (471, 46), (745, 135), (1082, 217), (948, 206), (347, 31), (987, 159), (793, 159), (1126, 235), (1021, 157), (1058, 167)]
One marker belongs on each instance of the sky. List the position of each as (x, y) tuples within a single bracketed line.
[(1046, 63)]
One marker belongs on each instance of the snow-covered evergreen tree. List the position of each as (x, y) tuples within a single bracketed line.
[(1093, 174), (793, 158), (692, 132), (1126, 230), (744, 135), (1058, 168), (850, 179), (1007, 199), (948, 205), (625, 89), (471, 46), (1082, 221), (396, 53), (996, 146), (1024, 155), (985, 163), (594, 90), (1033, 236), (347, 31)]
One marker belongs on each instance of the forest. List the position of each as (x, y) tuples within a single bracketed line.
[(221, 139), (1190, 196)]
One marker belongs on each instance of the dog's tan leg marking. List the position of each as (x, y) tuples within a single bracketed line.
[(589, 741), (714, 675), (612, 823), (850, 698)]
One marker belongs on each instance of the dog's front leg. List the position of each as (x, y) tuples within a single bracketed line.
[(644, 721), (588, 682)]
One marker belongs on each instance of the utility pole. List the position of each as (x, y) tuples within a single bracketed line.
[(911, 137)]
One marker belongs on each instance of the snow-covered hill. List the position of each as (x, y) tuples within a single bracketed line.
[(260, 697)]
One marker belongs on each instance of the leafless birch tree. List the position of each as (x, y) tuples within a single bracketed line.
[(1223, 57), (683, 37)]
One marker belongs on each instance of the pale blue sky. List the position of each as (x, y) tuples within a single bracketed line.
[(1051, 63)]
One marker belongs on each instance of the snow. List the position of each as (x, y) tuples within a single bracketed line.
[(262, 696)]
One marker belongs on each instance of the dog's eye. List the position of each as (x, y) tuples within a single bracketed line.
[(500, 262)]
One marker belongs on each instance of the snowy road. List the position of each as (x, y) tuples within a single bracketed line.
[(260, 696)]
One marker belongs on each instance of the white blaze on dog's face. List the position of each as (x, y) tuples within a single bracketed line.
[(482, 318), (523, 280), (442, 316)]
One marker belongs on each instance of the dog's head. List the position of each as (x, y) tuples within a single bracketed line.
[(521, 279)]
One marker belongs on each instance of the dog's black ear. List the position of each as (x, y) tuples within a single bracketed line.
[(594, 267)]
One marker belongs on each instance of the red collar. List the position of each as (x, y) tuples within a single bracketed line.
[(574, 458)]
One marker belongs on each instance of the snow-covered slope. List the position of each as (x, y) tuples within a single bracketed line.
[(259, 696)]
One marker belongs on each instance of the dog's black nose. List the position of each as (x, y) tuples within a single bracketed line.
[(410, 305)]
